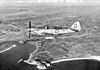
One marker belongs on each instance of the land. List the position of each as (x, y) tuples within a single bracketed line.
[(14, 22)]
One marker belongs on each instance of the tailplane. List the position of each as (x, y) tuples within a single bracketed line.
[(76, 26)]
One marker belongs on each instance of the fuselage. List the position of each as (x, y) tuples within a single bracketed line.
[(50, 31)]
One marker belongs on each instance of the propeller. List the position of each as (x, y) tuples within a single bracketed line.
[(29, 29), (29, 32)]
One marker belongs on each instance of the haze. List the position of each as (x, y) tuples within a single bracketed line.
[(56, 1)]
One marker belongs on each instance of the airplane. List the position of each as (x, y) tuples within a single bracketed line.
[(50, 32), (54, 30)]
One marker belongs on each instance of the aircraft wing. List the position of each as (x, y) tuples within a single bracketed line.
[(48, 34)]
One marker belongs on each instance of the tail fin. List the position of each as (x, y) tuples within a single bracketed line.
[(76, 26)]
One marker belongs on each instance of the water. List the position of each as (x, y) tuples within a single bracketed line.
[(76, 65)]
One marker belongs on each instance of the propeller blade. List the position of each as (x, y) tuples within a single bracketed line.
[(29, 24), (30, 29), (29, 34)]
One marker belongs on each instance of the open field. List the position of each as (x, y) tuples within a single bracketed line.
[(14, 21)]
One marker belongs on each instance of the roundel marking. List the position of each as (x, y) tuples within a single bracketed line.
[(56, 31), (75, 25)]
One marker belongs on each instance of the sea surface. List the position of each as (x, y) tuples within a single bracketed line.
[(76, 65)]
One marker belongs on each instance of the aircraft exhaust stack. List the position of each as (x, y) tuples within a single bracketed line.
[(76, 26)]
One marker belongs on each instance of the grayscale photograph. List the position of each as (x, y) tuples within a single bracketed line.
[(49, 34)]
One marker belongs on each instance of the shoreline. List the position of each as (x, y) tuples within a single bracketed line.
[(72, 59)]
